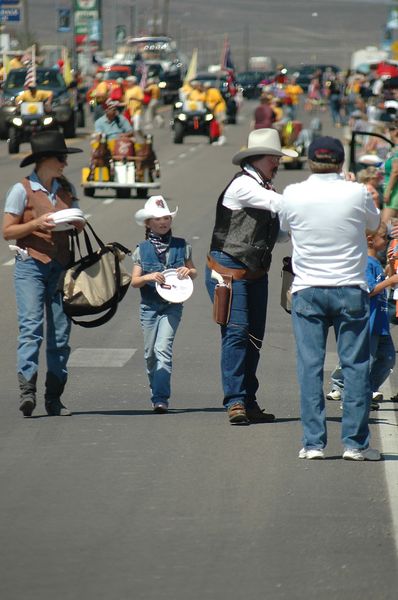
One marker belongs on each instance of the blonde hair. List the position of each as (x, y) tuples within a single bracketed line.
[(317, 167), (367, 174), (381, 230)]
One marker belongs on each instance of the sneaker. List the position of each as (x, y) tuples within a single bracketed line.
[(334, 395), (311, 453), (257, 415), (358, 454), (237, 415), (377, 397), (160, 408)]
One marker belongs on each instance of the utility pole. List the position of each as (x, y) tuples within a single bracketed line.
[(155, 17), (26, 22), (165, 18), (133, 18), (246, 46)]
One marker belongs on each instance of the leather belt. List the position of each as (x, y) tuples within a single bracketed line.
[(234, 273)]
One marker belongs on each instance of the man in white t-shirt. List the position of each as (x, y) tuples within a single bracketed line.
[(328, 217)]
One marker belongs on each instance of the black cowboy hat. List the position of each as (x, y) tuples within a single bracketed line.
[(47, 143)]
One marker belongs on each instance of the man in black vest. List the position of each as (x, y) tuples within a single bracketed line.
[(240, 256)]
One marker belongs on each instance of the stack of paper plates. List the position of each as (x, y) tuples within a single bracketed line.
[(174, 289), (67, 219)]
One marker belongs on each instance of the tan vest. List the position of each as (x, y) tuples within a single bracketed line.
[(41, 245)]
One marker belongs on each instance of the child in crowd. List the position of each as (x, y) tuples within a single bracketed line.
[(382, 350), (159, 318)]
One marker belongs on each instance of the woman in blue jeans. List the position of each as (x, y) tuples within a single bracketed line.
[(159, 318), (41, 258)]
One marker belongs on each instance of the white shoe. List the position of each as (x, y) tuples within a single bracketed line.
[(358, 454), (334, 395), (221, 140), (311, 453)]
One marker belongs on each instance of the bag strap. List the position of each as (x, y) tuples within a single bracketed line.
[(101, 320)]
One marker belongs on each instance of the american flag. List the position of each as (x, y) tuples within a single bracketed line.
[(226, 58), (30, 79)]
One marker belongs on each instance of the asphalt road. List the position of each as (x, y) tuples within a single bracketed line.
[(116, 503), (292, 31)]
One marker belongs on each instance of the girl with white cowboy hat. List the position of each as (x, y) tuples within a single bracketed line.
[(42, 255), (159, 318), (243, 238)]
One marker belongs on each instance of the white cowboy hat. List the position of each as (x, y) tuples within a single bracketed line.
[(155, 207), (261, 142)]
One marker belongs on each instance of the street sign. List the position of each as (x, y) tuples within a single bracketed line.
[(9, 14), (64, 20)]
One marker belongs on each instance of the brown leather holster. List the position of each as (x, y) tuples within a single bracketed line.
[(222, 301)]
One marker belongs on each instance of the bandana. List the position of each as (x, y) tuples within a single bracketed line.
[(161, 244)]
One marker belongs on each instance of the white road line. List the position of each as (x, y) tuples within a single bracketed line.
[(192, 149), (100, 357), (183, 155), (108, 201), (171, 162), (9, 263), (388, 431)]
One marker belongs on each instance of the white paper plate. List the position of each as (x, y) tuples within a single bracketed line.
[(174, 289), (66, 224), (69, 213)]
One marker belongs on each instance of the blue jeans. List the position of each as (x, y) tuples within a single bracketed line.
[(36, 287), (314, 310), (241, 339), (159, 323), (382, 359), (382, 362)]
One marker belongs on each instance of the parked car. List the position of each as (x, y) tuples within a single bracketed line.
[(305, 72), (249, 82), (63, 103)]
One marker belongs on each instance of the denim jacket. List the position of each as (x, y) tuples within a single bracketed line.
[(150, 263)]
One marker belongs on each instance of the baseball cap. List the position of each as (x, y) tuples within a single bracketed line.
[(326, 150)]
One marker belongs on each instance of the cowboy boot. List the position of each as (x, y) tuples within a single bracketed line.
[(27, 394), (52, 397)]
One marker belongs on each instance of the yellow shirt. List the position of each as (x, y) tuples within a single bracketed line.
[(133, 98), (215, 101), (294, 90), (15, 63), (154, 90), (196, 96), (101, 90), (278, 112), (40, 96)]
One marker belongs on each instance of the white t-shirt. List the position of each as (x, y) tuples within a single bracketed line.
[(328, 218)]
